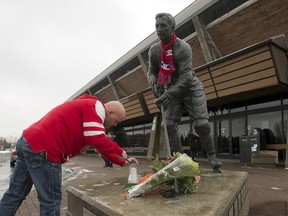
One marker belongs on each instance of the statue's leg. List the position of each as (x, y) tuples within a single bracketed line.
[(173, 115), (174, 138), (197, 108), (203, 129)]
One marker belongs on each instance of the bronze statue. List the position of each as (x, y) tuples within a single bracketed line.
[(176, 86)]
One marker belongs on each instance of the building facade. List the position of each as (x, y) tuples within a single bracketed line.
[(240, 55)]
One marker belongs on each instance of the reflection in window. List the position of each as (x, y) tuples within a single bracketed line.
[(264, 104), (223, 136), (210, 113), (133, 136), (185, 118), (237, 109), (139, 138), (271, 120), (138, 126), (238, 130), (129, 139), (183, 128), (211, 123), (128, 128), (285, 99), (120, 136), (149, 125), (147, 137), (285, 126)]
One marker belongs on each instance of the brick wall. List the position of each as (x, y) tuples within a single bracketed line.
[(256, 23)]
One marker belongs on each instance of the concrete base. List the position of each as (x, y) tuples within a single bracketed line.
[(219, 194)]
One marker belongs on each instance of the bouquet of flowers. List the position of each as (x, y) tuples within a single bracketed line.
[(180, 167)]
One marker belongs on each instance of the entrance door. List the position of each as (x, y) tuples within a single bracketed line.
[(228, 133), (237, 130)]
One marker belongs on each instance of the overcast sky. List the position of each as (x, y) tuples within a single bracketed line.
[(50, 49)]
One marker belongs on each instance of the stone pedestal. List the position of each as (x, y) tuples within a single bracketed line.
[(219, 194)]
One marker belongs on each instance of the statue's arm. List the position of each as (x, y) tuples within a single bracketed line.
[(153, 71), (153, 67), (183, 61)]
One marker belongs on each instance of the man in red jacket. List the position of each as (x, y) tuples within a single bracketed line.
[(64, 132)]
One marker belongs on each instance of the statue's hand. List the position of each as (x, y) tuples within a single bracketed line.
[(157, 90), (164, 99)]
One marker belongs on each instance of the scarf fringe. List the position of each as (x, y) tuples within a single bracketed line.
[(162, 79)]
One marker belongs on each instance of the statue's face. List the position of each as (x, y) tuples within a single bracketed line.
[(163, 29)]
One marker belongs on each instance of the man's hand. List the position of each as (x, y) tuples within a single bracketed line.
[(157, 89), (124, 155), (131, 160), (164, 99)]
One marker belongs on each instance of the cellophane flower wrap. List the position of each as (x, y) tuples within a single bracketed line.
[(180, 167)]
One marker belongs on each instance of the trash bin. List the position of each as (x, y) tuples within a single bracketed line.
[(248, 145), (260, 138), (245, 150)]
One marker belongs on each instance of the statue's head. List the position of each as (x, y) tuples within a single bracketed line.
[(165, 26)]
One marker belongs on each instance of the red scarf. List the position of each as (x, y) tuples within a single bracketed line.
[(167, 63)]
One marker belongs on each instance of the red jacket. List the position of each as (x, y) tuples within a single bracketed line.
[(70, 128)]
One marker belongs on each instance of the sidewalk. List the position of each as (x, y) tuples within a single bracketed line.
[(267, 185)]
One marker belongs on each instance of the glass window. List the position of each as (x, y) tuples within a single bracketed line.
[(285, 99), (128, 128), (148, 125), (219, 111), (270, 121), (211, 113), (185, 30), (238, 130), (223, 137), (264, 102), (129, 139), (211, 123), (121, 136), (147, 136), (138, 126), (139, 138), (183, 128), (285, 126), (185, 118), (263, 105), (237, 107), (220, 8)]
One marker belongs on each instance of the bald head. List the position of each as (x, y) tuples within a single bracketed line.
[(115, 113)]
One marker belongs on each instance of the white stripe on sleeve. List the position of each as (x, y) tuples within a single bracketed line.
[(92, 124), (93, 133), (100, 110)]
